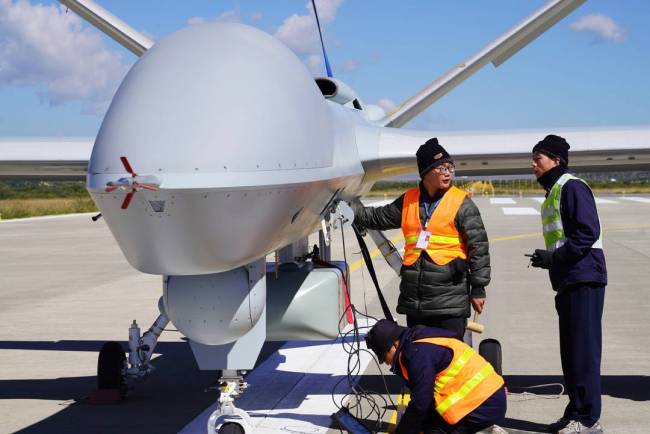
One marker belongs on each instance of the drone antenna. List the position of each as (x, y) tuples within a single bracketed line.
[(322, 44)]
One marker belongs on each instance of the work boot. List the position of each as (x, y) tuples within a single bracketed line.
[(577, 427), (558, 424)]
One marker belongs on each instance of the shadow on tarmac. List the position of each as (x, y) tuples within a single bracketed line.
[(163, 403), (633, 387)]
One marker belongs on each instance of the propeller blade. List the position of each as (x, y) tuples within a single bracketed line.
[(127, 199), (127, 166)]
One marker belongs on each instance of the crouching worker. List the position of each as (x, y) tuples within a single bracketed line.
[(453, 389)]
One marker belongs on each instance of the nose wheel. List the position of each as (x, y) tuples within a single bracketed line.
[(231, 428), (228, 419)]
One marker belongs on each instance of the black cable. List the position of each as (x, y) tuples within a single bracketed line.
[(371, 269), (360, 398), (364, 405)]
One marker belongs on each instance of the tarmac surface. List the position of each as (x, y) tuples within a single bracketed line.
[(66, 288)]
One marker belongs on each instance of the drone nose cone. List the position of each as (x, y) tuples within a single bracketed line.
[(216, 98), (224, 116)]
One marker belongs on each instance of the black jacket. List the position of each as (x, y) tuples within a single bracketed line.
[(576, 262), (428, 289)]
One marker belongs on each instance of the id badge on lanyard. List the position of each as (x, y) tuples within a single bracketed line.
[(423, 239)]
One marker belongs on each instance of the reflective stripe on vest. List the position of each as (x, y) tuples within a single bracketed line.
[(552, 228), (465, 384), (445, 243)]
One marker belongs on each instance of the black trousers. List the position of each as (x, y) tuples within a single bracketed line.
[(580, 311), (453, 324)]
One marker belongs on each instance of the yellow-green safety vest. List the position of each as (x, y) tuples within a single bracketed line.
[(552, 219)]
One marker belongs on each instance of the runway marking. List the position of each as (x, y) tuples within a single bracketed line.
[(359, 262), (520, 211), (601, 200), (400, 237), (380, 203), (637, 199), (402, 402), (502, 201)]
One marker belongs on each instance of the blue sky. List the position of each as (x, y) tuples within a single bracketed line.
[(57, 74)]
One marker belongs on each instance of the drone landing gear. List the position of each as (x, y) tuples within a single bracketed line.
[(113, 369), (228, 419)]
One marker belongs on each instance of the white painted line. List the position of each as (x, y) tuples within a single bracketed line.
[(502, 201), (292, 390), (637, 199), (379, 202), (520, 211), (47, 217), (600, 200), (538, 199)]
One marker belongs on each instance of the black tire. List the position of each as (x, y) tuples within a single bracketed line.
[(110, 366), (231, 428), (490, 349)]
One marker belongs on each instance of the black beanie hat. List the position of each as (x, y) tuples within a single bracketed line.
[(381, 337), (431, 155), (554, 146)]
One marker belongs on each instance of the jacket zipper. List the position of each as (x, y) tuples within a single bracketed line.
[(419, 284)]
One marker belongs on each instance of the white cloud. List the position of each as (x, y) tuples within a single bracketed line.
[(195, 20), (300, 33), (315, 64), (44, 47), (387, 104), (602, 25), (349, 65), (225, 17)]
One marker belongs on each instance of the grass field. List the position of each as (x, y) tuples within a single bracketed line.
[(21, 208)]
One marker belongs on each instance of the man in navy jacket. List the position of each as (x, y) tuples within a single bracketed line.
[(419, 364), (576, 264)]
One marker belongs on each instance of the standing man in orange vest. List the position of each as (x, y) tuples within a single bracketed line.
[(446, 259), (453, 389)]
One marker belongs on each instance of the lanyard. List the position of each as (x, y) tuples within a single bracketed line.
[(428, 211)]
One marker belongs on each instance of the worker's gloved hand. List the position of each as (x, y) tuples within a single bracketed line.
[(542, 259), (357, 207), (362, 231)]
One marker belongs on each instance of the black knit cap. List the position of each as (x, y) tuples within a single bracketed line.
[(431, 155), (381, 337), (554, 146)]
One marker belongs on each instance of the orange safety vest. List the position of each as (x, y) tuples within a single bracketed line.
[(465, 384), (445, 243)]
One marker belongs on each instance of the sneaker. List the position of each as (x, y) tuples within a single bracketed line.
[(576, 427), (496, 429), (558, 424)]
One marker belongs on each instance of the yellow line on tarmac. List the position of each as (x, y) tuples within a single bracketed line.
[(516, 237), (400, 237), (359, 262)]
